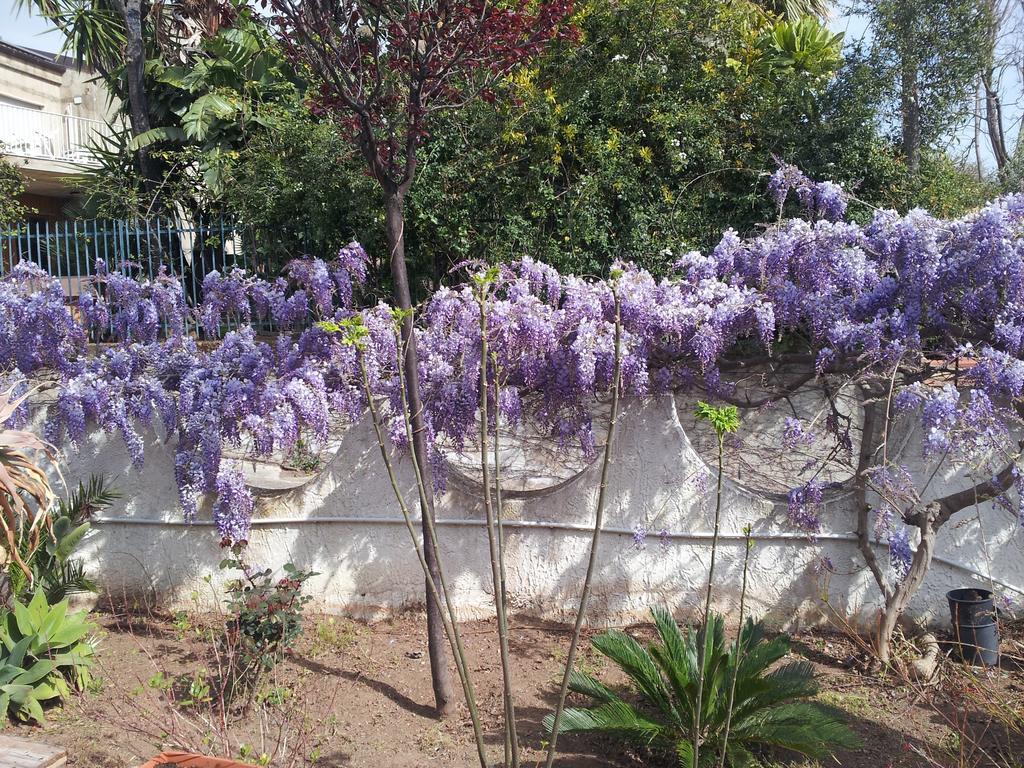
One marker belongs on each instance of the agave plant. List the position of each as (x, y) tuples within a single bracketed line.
[(45, 655), (26, 496), (771, 707)]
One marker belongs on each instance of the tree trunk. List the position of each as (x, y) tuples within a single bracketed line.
[(440, 675), (910, 113), (898, 600), (135, 77), (994, 119)]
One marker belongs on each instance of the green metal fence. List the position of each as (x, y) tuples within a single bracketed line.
[(69, 250)]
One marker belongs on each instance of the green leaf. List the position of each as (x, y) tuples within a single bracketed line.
[(53, 620), (16, 654), (200, 117), (34, 710), (38, 671), (22, 619), (67, 542), (169, 134), (724, 418), (69, 634), (38, 608)]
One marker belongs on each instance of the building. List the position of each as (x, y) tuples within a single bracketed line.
[(50, 112)]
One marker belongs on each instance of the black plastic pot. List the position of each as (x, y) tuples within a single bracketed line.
[(975, 629)]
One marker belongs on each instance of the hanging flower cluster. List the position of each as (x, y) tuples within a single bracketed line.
[(131, 310), (37, 330), (312, 289)]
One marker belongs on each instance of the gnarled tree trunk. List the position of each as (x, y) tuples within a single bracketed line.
[(928, 518)]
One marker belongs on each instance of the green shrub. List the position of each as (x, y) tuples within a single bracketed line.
[(771, 708), (264, 621), (46, 654)]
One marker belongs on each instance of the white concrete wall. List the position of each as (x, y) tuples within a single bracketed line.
[(346, 525)]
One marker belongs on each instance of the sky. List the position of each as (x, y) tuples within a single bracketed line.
[(20, 27)]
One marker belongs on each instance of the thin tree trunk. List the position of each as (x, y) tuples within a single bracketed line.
[(994, 120), (910, 112), (135, 77), (993, 101), (860, 494), (494, 545), (748, 544), (439, 672), (702, 649), (499, 513), (977, 133), (928, 520), (438, 590)]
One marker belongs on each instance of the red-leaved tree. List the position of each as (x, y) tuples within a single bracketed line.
[(381, 69)]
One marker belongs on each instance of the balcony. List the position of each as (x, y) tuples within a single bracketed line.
[(38, 135)]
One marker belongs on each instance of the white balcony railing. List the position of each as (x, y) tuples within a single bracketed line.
[(48, 135)]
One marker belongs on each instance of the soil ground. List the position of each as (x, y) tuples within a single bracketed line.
[(354, 694)]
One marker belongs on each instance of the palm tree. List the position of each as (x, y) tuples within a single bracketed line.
[(770, 708)]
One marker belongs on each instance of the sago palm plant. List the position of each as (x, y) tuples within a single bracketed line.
[(54, 567), (771, 707)]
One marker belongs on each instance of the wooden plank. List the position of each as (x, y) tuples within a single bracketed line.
[(20, 753)]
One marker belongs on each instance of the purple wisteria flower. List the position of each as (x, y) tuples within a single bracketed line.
[(824, 199), (232, 512), (900, 552), (794, 435), (805, 505), (37, 330)]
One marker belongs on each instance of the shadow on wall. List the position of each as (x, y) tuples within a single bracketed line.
[(346, 525)]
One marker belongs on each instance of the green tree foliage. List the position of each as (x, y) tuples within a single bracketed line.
[(647, 137), (301, 182), (634, 140), (205, 100), (649, 132), (926, 56), (12, 186), (792, 10)]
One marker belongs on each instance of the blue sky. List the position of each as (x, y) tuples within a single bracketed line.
[(22, 28)]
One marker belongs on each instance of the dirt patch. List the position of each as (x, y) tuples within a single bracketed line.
[(360, 695)]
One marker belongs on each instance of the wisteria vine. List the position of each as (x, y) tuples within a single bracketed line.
[(931, 310)]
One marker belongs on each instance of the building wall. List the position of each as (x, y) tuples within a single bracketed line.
[(45, 149), (30, 84), (27, 82), (345, 525)]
